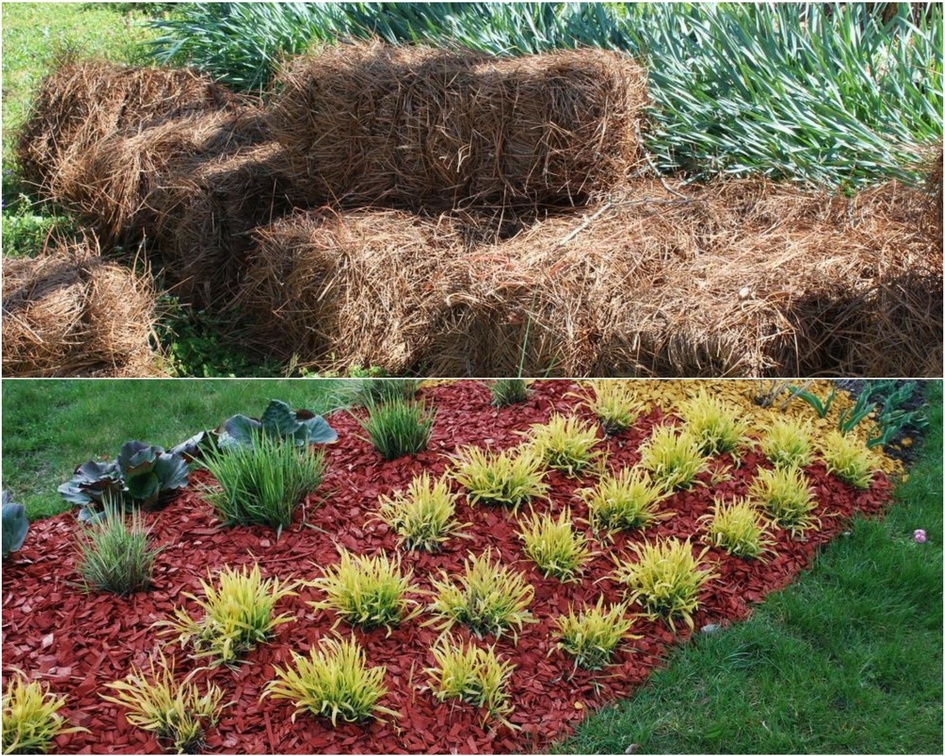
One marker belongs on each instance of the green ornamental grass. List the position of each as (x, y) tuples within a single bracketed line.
[(738, 528), (472, 674), (848, 459), (564, 443), (553, 545), (629, 499), (422, 515), (592, 635), (31, 719), (614, 403), (673, 458), (398, 427), (508, 478), (786, 443), (114, 555), (714, 424), (785, 496), (262, 484), (508, 391)]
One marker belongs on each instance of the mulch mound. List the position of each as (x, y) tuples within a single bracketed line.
[(368, 124), (78, 642), (71, 313), (80, 104)]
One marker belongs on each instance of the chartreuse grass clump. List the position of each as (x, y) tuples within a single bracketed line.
[(115, 556), (489, 598), (848, 459), (263, 483), (737, 528), (716, 425), (508, 391), (333, 681), (787, 443), (176, 712), (472, 674), (592, 635), (554, 546), (237, 615), (674, 458), (31, 719), (422, 516), (665, 579), (508, 478), (565, 444), (614, 403), (786, 498), (366, 591), (398, 427), (629, 499)]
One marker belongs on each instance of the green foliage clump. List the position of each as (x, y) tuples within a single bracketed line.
[(490, 598), (592, 635), (564, 444), (370, 391), (334, 681), (114, 556), (673, 459), (665, 578), (787, 443), (629, 499), (738, 528), (615, 404), (554, 546), (508, 391), (714, 424), (848, 459), (365, 591), (30, 716), (398, 427), (787, 499), (15, 525), (472, 674), (262, 484), (508, 478), (423, 514)]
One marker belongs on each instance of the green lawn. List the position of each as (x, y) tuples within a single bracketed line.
[(50, 426), (846, 660)]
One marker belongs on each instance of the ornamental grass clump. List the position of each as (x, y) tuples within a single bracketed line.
[(115, 556), (176, 712), (786, 443), (334, 681), (398, 427), (237, 616), (366, 591), (422, 516), (592, 635), (554, 546), (737, 528), (714, 424), (614, 403), (624, 501), (31, 719), (263, 483), (665, 579), (508, 391), (848, 459), (490, 598), (786, 498), (673, 458), (472, 674), (508, 478), (565, 444)]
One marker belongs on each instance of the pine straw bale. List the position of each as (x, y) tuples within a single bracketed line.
[(120, 184), (80, 104), (369, 124), (360, 288), (71, 313), (207, 213)]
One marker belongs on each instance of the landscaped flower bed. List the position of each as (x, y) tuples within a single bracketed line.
[(79, 642)]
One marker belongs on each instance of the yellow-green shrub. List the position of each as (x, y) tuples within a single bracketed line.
[(626, 500), (237, 616), (472, 674), (665, 579), (674, 458), (787, 443), (174, 712), (490, 598), (848, 459), (365, 591), (786, 498), (738, 528), (714, 424), (592, 635), (334, 681), (31, 718), (553, 545), (422, 515), (509, 478), (564, 443), (615, 404)]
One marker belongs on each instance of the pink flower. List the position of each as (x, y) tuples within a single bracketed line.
[(919, 536)]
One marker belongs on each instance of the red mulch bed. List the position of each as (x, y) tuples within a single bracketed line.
[(78, 642)]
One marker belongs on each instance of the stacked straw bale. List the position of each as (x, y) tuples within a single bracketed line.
[(413, 127), (71, 313), (80, 104)]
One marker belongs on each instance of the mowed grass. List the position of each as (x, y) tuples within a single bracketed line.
[(51, 426), (846, 660)]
